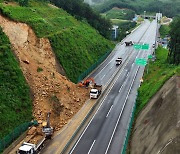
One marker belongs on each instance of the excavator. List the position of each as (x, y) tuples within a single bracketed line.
[(87, 82), (47, 129)]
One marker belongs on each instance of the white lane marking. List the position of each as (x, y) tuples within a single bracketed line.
[(121, 112), (111, 67), (91, 146), (104, 67), (121, 88), (124, 83), (133, 64), (103, 76), (109, 111)]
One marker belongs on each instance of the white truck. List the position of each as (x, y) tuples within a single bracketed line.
[(34, 146), (30, 148), (95, 91)]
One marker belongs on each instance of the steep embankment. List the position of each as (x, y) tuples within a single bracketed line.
[(76, 44), (15, 103), (51, 91), (157, 128)]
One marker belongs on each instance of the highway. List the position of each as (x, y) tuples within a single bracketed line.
[(105, 133)]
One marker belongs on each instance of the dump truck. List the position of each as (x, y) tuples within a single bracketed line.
[(95, 91), (130, 43), (33, 146), (118, 61)]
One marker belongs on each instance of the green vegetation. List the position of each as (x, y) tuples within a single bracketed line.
[(84, 12), (76, 44), (124, 28), (15, 102), (164, 30), (158, 73), (174, 44), (39, 69), (169, 8), (116, 13)]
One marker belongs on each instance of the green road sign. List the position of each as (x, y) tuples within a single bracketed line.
[(145, 46), (137, 46), (141, 46), (141, 61), (150, 57)]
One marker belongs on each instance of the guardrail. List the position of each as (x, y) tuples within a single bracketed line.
[(128, 132), (92, 67), (7, 140)]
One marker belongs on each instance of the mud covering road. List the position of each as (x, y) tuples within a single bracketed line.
[(157, 128)]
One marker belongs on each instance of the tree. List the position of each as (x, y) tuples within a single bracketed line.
[(174, 45), (82, 11)]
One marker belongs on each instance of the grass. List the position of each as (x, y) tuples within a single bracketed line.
[(159, 72), (164, 30), (116, 13), (15, 102), (76, 44)]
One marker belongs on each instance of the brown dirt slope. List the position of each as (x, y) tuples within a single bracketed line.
[(157, 128), (50, 90)]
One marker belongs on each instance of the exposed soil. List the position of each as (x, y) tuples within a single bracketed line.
[(51, 91), (157, 128)]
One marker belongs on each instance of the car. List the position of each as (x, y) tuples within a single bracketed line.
[(118, 61)]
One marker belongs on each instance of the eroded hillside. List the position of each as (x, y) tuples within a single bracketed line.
[(157, 128), (50, 90)]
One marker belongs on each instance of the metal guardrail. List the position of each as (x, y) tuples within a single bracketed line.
[(7, 140), (95, 65), (128, 132)]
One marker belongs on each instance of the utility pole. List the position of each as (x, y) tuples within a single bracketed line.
[(144, 14)]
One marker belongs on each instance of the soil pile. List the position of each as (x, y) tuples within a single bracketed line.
[(51, 91), (157, 128)]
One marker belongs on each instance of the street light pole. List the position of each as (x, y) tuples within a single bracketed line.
[(144, 14)]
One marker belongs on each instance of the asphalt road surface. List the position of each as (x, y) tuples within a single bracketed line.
[(105, 133)]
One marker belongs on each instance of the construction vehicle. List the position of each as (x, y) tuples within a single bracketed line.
[(118, 61), (47, 129), (130, 43), (32, 147), (87, 82), (95, 91)]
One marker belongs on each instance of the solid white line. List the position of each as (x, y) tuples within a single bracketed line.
[(124, 83), (120, 113), (91, 146), (109, 111), (103, 76)]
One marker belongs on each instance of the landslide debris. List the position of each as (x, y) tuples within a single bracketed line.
[(50, 90), (157, 128)]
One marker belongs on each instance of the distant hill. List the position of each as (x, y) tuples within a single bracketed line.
[(169, 8)]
